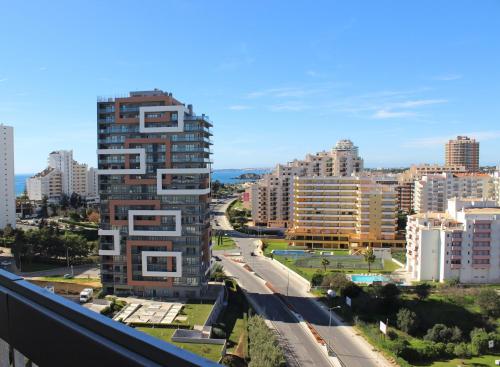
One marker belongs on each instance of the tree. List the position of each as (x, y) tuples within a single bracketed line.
[(489, 302), (64, 202), (442, 333), (94, 217), (43, 208), (389, 291), (369, 257), (317, 278), (407, 321), (337, 281), (422, 290), (325, 262)]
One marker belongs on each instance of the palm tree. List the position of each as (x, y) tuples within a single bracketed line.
[(369, 257), (325, 262)]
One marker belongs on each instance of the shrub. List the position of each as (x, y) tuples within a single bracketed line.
[(489, 302), (479, 341), (218, 333), (398, 346), (462, 350), (422, 290), (444, 334), (317, 278), (351, 290), (407, 321), (263, 346), (450, 349)]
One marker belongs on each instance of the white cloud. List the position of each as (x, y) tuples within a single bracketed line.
[(448, 77), (284, 92), (239, 107), (388, 114), (419, 102), (290, 106)]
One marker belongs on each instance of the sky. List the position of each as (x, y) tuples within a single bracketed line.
[(279, 79)]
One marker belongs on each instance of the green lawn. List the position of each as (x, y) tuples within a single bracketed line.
[(486, 360), (196, 313), (234, 318), (389, 267), (209, 351), (227, 244), (72, 280)]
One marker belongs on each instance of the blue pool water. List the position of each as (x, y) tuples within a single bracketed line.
[(369, 278), (290, 253)]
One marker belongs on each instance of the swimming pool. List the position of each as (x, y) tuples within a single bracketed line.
[(369, 278), (290, 253)]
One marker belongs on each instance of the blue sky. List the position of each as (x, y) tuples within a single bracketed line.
[(278, 78)]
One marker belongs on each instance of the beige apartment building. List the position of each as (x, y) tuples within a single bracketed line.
[(79, 180), (47, 183), (344, 212), (433, 191), (463, 151), (272, 196)]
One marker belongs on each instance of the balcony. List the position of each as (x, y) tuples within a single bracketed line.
[(49, 330)]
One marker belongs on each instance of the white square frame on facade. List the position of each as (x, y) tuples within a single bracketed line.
[(178, 264), (180, 109), (116, 242), (127, 171), (181, 171), (163, 213)]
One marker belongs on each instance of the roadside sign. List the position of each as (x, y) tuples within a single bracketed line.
[(383, 327), (491, 344), (348, 301)]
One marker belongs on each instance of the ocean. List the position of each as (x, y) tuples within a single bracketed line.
[(223, 175)]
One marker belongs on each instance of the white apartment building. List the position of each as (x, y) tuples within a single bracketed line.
[(92, 183), (272, 196), (7, 188), (63, 176), (463, 243), (62, 160), (431, 192), (47, 183)]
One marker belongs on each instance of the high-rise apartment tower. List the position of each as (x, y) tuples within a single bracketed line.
[(154, 185), (463, 151)]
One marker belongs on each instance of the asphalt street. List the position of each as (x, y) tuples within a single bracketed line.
[(352, 350)]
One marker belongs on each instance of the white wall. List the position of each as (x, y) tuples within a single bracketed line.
[(7, 187)]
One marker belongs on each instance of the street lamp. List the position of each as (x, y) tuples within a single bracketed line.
[(331, 294)]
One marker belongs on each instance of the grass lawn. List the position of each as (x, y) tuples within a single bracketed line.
[(209, 351), (389, 267), (227, 244), (486, 360), (72, 280), (196, 313), (234, 318)]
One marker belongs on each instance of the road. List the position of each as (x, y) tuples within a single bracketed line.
[(351, 348)]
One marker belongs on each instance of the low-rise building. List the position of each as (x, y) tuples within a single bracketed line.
[(463, 243)]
